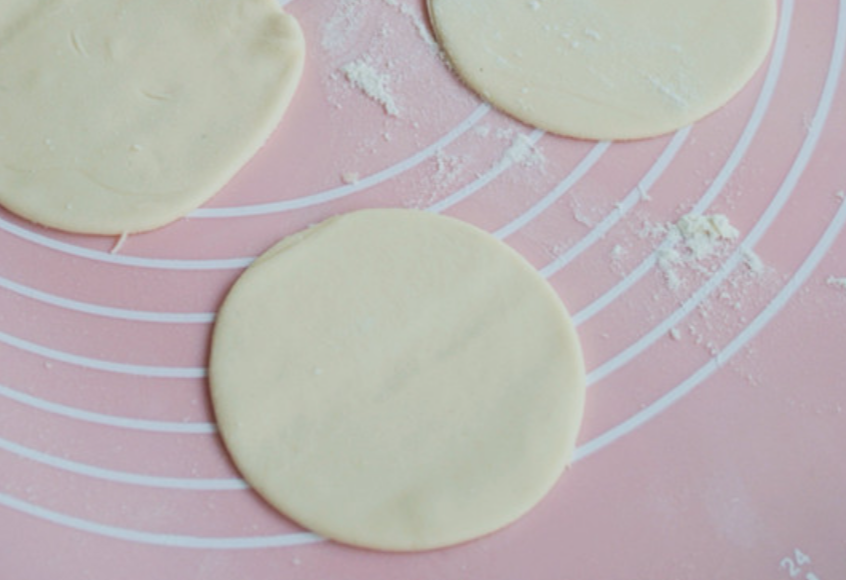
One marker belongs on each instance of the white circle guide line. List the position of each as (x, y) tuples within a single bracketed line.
[(166, 540), (181, 428), (106, 311), (92, 471), (121, 260), (103, 365)]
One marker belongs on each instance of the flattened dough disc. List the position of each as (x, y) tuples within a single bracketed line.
[(119, 117), (606, 69), (397, 380)]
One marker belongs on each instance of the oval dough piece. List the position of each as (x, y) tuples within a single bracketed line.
[(119, 117), (606, 69), (397, 380)]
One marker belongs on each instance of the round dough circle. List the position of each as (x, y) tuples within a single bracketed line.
[(397, 380), (606, 69), (120, 117)]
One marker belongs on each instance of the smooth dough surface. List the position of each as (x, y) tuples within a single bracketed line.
[(606, 69), (122, 116), (397, 380)]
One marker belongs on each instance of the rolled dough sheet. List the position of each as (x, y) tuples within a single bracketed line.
[(119, 117), (397, 380), (606, 69)]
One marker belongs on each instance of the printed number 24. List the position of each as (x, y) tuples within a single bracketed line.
[(794, 565)]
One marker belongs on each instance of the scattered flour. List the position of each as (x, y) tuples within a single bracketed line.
[(344, 25), (580, 216), (692, 240), (697, 245), (372, 83), (523, 152), (482, 130), (702, 234), (839, 283), (419, 24), (504, 133), (449, 168), (675, 334), (350, 177)]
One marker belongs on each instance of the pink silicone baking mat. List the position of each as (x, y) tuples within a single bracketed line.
[(714, 443)]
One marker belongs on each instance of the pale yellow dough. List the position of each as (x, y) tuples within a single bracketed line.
[(606, 69), (122, 116), (397, 380)]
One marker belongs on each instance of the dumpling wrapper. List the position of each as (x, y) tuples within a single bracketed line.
[(120, 117), (397, 380), (606, 69)]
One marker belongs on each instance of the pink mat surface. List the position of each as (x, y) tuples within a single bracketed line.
[(714, 444)]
